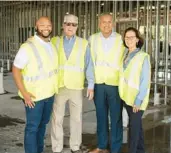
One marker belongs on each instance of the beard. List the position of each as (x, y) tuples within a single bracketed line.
[(40, 33)]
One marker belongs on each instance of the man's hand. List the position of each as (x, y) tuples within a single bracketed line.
[(136, 108), (28, 100), (90, 94), (19, 82)]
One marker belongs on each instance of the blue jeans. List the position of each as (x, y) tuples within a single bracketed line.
[(107, 102), (36, 120)]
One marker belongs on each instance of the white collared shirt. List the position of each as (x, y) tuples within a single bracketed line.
[(22, 59)]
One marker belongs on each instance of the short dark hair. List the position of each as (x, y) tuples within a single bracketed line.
[(137, 34)]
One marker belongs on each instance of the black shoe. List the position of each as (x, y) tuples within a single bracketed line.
[(77, 151)]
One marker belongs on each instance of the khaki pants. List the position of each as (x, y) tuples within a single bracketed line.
[(75, 99)]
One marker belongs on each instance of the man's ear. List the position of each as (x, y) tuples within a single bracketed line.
[(35, 29)]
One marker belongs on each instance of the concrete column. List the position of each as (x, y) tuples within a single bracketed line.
[(1, 82), (8, 65)]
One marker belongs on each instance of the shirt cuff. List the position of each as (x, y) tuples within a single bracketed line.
[(90, 85), (17, 65), (138, 102)]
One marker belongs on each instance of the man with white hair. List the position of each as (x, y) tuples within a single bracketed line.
[(75, 64)]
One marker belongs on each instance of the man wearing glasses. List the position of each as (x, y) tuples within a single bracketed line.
[(74, 65)]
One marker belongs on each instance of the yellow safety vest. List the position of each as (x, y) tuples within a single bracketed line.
[(71, 70), (106, 65), (40, 74), (130, 80)]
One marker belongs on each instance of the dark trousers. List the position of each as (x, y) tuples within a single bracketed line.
[(36, 121), (135, 135), (106, 101)]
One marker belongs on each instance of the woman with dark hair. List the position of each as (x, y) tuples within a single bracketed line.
[(134, 86)]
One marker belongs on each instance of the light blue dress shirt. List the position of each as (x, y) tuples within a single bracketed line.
[(89, 68), (144, 79), (107, 43)]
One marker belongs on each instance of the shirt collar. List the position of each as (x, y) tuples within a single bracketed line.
[(69, 39), (133, 52), (111, 35), (40, 40)]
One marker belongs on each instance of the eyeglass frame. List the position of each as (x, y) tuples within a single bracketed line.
[(130, 38)]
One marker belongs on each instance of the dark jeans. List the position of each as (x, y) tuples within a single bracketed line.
[(36, 120), (107, 100), (135, 135)]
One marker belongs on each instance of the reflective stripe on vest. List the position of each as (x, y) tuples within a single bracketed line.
[(130, 81), (42, 74), (107, 63), (57, 42), (73, 68), (104, 63), (77, 66), (40, 77), (39, 61)]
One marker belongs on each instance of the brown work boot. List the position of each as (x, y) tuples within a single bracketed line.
[(97, 150)]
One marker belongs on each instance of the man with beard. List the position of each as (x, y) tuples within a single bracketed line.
[(35, 73)]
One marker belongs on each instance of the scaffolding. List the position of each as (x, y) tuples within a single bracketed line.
[(152, 18)]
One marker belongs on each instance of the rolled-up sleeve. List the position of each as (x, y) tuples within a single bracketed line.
[(144, 81)]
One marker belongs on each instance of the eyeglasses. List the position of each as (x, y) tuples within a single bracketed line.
[(130, 38), (71, 24)]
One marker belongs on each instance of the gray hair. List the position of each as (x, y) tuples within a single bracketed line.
[(104, 14)]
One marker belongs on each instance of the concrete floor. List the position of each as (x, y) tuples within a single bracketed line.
[(157, 127)]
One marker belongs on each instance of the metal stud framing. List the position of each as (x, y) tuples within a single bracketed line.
[(152, 18)]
